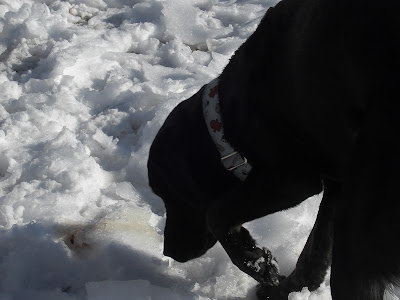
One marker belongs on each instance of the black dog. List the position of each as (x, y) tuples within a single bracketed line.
[(310, 101)]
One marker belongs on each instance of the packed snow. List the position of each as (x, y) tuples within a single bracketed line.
[(85, 86)]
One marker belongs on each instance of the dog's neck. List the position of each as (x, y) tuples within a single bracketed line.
[(232, 160)]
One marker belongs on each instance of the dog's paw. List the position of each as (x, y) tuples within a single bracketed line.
[(252, 259), (262, 266)]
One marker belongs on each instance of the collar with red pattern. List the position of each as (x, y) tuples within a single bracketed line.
[(230, 158)]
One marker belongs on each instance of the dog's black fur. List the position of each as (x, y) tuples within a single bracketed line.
[(311, 100)]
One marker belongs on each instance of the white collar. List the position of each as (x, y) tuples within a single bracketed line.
[(230, 158)]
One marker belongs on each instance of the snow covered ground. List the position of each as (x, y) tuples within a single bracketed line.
[(85, 85)]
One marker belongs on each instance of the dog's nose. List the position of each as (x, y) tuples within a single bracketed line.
[(183, 252)]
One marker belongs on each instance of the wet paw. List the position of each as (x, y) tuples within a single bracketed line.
[(252, 259), (262, 266)]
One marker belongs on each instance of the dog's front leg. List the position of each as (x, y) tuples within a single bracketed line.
[(259, 195), (316, 256)]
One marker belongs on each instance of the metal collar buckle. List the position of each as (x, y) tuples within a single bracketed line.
[(237, 165)]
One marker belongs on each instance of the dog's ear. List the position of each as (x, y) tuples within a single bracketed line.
[(186, 235)]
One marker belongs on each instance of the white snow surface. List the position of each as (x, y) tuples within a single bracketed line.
[(85, 86)]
